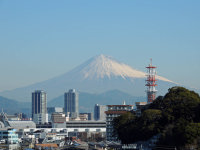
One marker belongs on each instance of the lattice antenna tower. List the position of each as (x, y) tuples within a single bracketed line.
[(151, 83)]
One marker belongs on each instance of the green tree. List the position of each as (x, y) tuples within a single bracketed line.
[(176, 117), (121, 125)]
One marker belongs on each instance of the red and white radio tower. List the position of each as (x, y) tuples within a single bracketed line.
[(151, 83)]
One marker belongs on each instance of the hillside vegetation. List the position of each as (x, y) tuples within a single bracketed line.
[(174, 117)]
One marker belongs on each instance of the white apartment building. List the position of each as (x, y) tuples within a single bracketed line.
[(112, 112)]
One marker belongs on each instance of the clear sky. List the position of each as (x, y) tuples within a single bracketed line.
[(41, 39)]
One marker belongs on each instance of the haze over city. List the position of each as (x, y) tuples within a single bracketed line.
[(44, 39)]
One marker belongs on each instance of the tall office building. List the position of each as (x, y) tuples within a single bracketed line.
[(71, 103), (99, 112), (39, 107)]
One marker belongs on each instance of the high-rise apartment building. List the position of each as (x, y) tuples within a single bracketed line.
[(112, 112), (71, 103), (39, 107), (99, 112)]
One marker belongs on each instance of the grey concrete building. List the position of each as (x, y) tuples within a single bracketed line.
[(39, 107), (71, 103), (99, 112)]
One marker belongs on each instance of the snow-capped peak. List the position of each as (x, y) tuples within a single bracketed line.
[(104, 66)]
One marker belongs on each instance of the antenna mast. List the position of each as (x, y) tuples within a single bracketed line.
[(151, 83)]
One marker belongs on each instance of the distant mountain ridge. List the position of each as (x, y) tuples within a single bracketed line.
[(12, 106), (88, 100), (98, 74)]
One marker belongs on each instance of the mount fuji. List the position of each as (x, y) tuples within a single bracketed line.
[(99, 74)]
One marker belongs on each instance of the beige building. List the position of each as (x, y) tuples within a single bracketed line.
[(58, 120)]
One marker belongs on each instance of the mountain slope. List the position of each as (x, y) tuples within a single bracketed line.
[(12, 106), (101, 66), (104, 66), (97, 75)]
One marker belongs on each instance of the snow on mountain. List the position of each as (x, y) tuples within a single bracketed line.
[(104, 66), (98, 74)]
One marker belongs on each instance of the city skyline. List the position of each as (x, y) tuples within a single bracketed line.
[(37, 38)]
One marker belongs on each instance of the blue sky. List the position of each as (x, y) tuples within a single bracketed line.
[(43, 39)]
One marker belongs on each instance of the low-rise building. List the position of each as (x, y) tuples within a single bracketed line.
[(83, 117), (51, 110), (86, 126), (6, 121), (58, 120), (86, 116), (9, 135)]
